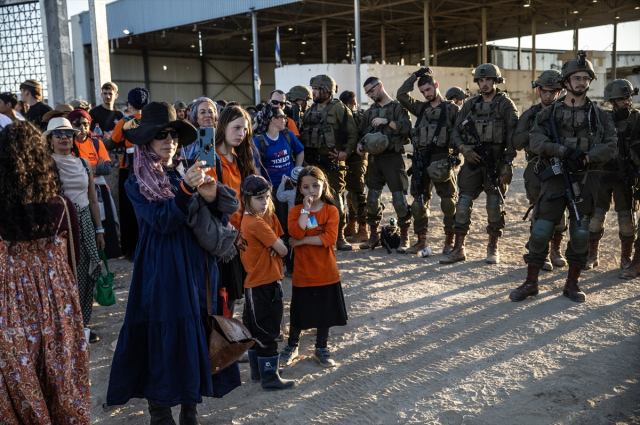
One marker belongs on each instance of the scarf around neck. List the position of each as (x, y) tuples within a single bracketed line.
[(154, 182)]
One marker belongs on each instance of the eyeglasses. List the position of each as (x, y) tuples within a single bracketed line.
[(371, 89), (61, 133), (577, 79), (81, 124), (276, 102), (284, 117), (548, 92), (161, 135), (623, 99)]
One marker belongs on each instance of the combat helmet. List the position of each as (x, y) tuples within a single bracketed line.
[(549, 78), (488, 70), (375, 143), (325, 82), (619, 88), (456, 92), (577, 65), (299, 92)]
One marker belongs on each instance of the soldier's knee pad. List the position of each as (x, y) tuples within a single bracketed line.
[(597, 221), (373, 201), (399, 201), (494, 208), (541, 234), (464, 209), (626, 223), (448, 207), (417, 209), (579, 236)]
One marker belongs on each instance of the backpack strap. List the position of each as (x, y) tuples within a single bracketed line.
[(421, 114), (263, 145), (287, 137)]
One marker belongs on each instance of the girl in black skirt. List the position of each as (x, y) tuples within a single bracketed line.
[(317, 300)]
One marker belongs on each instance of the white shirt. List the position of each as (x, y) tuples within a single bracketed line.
[(4, 121)]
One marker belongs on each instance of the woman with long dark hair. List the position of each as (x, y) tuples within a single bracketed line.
[(44, 363)]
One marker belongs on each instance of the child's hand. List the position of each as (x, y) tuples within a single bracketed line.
[(272, 252), (307, 201), (295, 242), (284, 179)]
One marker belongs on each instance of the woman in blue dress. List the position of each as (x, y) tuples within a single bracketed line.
[(162, 350)]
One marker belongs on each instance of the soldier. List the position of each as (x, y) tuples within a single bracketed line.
[(433, 156), (485, 124), (549, 87), (300, 97), (618, 176), (356, 198), (456, 95), (576, 137), (329, 136), (388, 122)]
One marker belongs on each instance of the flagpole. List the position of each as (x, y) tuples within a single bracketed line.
[(278, 61)]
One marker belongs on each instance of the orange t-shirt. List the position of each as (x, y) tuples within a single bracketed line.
[(256, 236), (316, 265), (230, 177), (88, 152), (292, 126), (118, 137)]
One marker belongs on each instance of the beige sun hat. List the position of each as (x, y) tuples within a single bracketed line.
[(58, 124)]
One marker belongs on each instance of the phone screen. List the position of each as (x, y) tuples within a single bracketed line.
[(206, 137)]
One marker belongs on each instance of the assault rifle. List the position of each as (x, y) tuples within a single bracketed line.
[(560, 167), (417, 165), (317, 159), (486, 157)]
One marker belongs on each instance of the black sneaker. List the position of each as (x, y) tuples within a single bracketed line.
[(93, 338), (287, 355), (323, 357)]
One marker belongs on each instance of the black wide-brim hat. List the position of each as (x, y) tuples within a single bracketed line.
[(154, 118)]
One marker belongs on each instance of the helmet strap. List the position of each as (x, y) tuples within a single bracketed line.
[(575, 92)]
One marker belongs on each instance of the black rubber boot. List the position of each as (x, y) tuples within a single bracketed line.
[(269, 372), (189, 415), (160, 415), (253, 364)]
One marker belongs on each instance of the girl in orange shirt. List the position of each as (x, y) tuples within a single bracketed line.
[(260, 242), (317, 300)]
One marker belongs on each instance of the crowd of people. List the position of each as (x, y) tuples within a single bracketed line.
[(202, 236)]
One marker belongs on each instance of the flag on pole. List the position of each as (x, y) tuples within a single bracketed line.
[(353, 54), (278, 61)]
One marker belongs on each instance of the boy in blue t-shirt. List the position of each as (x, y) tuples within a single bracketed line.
[(278, 157)]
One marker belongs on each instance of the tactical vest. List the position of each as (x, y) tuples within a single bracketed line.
[(490, 127), (386, 112), (423, 133), (580, 129), (318, 127), (628, 131)]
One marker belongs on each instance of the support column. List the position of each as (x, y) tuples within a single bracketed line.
[(324, 41), (55, 31), (426, 33), (479, 51), (575, 37), (145, 69), (484, 35), (256, 57), (80, 71), (533, 48), (434, 62), (99, 45), (519, 53), (356, 13), (614, 55), (383, 44)]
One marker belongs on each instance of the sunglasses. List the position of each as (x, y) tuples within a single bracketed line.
[(164, 133), (371, 89), (284, 117), (60, 133), (276, 102)]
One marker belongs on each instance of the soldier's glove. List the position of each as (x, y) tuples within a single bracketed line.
[(468, 153), (424, 70), (621, 114), (506, 174), (575, 159)]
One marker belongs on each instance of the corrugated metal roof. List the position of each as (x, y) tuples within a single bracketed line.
[(141, 16)]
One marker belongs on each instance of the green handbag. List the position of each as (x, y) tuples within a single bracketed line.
[(104, 294)]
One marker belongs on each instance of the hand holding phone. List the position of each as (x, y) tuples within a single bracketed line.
[(206, 137)]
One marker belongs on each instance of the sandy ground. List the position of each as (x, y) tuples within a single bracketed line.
[(441, 344)]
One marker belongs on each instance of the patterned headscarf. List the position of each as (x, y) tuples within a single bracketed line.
[(264, 117), (194, 110), (154, 182)]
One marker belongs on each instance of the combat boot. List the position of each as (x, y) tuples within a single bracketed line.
[(592, 257), (625, 254), (350, 230), (493, 255), (634, 268), (555, 253), (362, 234), (448, 242), (458, 252), (341, 244), (547, 266), (529, 287), (404, 240), (420, 245), (374, 238), (571, 289)]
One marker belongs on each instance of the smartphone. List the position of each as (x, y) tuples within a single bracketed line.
[(206, 137)]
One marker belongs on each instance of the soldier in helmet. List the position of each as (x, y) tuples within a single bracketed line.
[(485, 123), (329, 136), (431, 140), (300, 97), (356, 198), (548, 87), (456, 95), (385, 126), (618, 179), (576, 137)]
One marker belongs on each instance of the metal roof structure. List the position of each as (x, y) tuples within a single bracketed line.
[(225, 26)]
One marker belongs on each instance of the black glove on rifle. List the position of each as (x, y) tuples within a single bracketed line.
[(575, 159)]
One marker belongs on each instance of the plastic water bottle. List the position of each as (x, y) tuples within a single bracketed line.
[(97, 133), (426, 252)]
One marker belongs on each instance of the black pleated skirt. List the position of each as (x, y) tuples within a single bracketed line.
[(318, 307)]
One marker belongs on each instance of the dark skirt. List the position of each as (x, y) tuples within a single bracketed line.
[(318, 307), (111, 241)]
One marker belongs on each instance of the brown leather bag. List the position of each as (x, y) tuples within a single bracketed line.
[(228, 337)]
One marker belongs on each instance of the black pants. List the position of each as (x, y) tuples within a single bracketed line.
[(282, 212), (128, 221), (111, 242), (321, 337), (262, 316)]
